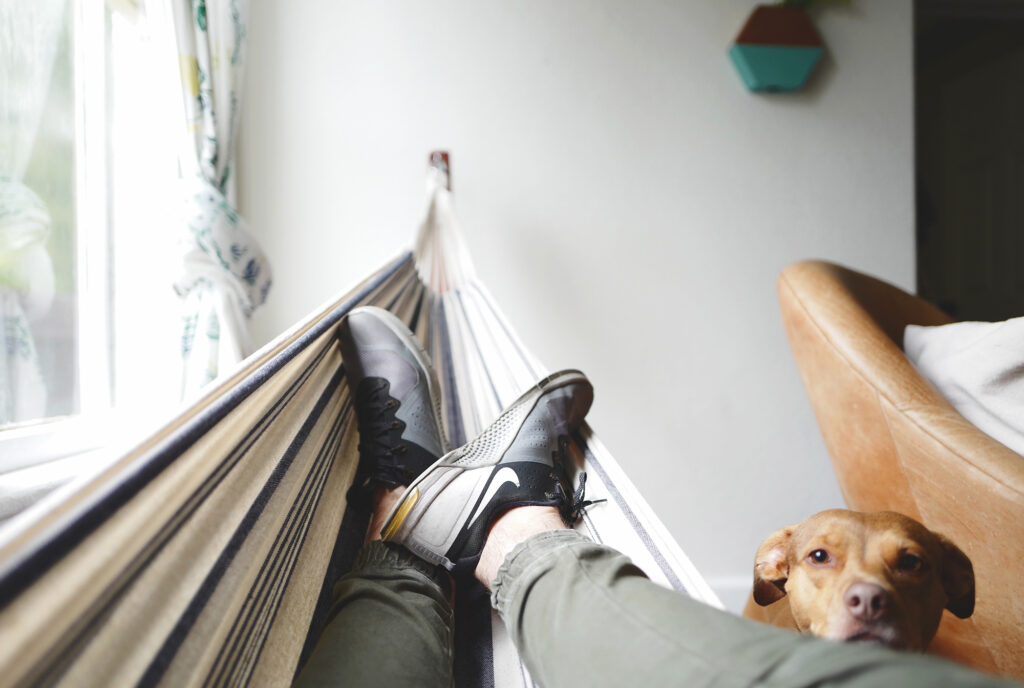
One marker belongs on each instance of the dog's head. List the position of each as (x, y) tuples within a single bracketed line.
[(880, 577)]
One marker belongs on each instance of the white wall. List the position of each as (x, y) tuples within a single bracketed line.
[(628, 202)]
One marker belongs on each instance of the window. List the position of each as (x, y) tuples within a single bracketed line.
[(38, 160), (90, 321)]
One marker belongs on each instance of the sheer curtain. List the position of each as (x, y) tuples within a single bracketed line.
[(225, 274), (29, 32)]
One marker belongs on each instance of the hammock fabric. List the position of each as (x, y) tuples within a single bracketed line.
[(207, 555)]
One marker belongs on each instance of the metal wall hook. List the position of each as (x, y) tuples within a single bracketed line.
[(440, 161)]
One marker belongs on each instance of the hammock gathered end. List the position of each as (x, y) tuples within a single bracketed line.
[(207, 555)]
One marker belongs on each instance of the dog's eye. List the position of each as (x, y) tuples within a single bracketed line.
[(909, 563), (819, 556)]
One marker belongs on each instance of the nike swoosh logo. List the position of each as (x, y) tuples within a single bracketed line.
[(504, 475)]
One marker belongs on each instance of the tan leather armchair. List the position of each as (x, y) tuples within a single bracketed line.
[(896, 444)]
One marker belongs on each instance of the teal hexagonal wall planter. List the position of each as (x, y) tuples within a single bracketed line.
[(777, 49)]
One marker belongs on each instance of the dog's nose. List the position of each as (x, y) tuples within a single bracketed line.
[(866, 601)]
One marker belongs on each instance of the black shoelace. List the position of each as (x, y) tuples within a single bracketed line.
[(379, 435), (571, 507)]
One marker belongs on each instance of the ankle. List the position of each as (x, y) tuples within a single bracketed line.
[(511, 528), (384, 501)]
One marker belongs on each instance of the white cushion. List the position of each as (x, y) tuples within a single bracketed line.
[(979, 368)]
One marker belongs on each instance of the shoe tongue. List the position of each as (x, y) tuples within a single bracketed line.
[(558, 411), (393, 366)]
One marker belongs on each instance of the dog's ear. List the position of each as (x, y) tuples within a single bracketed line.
[(771, 567), (957, 579)]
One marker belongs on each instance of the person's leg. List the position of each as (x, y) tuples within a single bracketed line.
[(391, 619), (583, 614), (390, 623)]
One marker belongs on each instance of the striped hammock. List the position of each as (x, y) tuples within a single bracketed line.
[(207, 555)]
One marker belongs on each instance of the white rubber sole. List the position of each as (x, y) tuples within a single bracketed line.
[(451, 486)]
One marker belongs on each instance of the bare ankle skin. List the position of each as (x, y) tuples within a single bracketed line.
[(511, 528), (384, 500)]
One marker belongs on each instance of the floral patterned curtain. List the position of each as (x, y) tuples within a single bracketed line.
[(225, 275), (29, 32)]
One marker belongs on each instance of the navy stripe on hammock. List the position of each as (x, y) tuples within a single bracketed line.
[(48, 550), (181, 629), (631, 517), (281, 572), (73, 640)]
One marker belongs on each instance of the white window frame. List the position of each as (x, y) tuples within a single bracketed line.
[(29, 444)]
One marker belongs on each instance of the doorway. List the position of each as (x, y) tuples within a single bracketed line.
[(969, 110)]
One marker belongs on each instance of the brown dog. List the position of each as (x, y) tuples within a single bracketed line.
[(880, 577)]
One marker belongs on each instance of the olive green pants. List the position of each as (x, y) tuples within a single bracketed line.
[(582, 614)]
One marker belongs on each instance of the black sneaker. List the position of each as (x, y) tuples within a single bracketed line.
[(396, 397), (519, 460)]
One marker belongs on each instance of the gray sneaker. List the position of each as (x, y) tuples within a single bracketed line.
[(519, 460), (396, 397)]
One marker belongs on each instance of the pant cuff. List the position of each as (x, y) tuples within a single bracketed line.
[(526, 561), (387, 557)]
